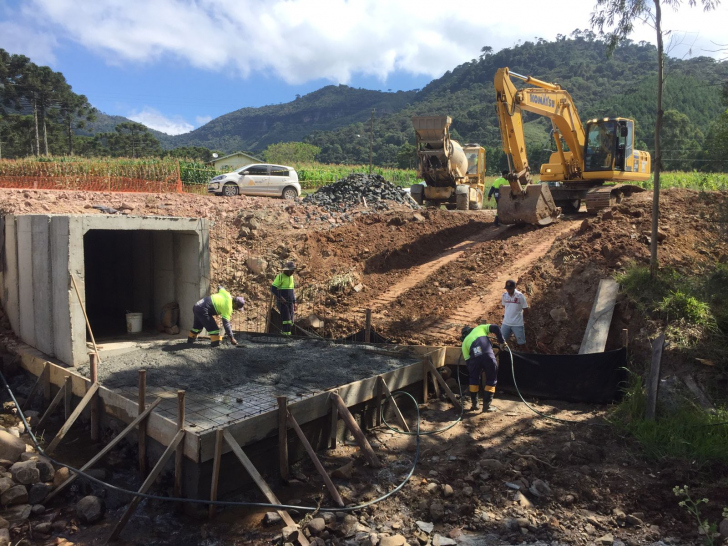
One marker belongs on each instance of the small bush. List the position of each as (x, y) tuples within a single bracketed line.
[(678, 305)]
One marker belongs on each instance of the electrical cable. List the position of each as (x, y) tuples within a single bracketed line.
[(221, 503)]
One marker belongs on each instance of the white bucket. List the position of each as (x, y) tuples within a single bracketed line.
[(133, 323)]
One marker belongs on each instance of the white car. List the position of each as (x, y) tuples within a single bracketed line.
[(257, 179)]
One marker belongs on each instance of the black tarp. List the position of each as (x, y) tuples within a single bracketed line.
[(595, 378)]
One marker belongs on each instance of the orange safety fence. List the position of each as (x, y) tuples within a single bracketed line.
[(92, 183)]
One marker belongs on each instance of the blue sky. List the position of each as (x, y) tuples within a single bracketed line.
[(176, 64)]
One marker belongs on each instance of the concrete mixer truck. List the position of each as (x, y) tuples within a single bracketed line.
[(454, 175)]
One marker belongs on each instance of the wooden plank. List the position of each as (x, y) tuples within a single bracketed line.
[(397, 413), (425, 381), (83, 308), (142, 435), (312, 454), (47, 386), (597, 329), (72, 419), (94, 403), (283, 437), (60, 395), (156, 471), (693, 387), (96, 458), (216, 470), (356, 431), (67, 397), (653, 380), (378, 411), (260, 482), (625, 338), (179, 455), (444, 386)]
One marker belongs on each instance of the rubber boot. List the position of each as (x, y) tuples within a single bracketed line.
[(214, 341), (487, 401), (496, 223), (473, 401), (191, 338)]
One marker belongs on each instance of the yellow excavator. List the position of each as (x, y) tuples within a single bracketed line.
[(584, 161)]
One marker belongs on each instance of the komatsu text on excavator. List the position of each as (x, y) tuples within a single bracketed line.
[(584, 159)]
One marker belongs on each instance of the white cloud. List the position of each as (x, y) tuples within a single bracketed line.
[(154, 119), (26, 40), (303, 40), (201, 120)]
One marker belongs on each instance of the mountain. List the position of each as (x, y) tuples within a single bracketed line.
[(326, 109)]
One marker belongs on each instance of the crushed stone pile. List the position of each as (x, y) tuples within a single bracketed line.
[(354, 189)]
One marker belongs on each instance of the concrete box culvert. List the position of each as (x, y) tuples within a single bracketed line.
[(121, 263)]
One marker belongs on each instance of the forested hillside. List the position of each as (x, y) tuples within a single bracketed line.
[(42, 115), (623, 84)]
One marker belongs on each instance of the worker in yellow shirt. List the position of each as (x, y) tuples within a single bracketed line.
[(283, 290), (222, 304)]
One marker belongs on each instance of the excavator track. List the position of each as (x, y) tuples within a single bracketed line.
[(607, 196)]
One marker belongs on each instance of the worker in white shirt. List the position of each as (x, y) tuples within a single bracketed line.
[(515, 304)]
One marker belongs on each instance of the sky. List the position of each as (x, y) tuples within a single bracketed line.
[(176, 64)]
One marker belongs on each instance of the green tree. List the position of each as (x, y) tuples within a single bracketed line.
[(681, 141), (407, 156), (618, 18), (196, 153), (289, 153), (132, 139), (74, 111)]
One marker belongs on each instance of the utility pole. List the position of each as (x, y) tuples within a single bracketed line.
[(371, 140)]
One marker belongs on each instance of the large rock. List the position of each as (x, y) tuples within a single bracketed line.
[(559, 314), (5, 484), (90, 509), (17, 494), (25, 472), (723, 528), (4, 524), (17, 514), (60, 476), (349, 526), (437, 511), (396, 540), (10, 447), (272, 518), (257, 266), (38, 492), (4, 537), (316, 526)]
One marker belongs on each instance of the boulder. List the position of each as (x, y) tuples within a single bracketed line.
[(5, 484), (10, 447), (272, 518), (723, 529), (4, 537), (316, 526), (17, 494), (290, 533), (44, 528), (559, 314), (257, 266), (60, 476), (395, 540), (439, 540), (4, 524), (25, 472), (90, 509), (344, 472), (38, 492), (17, 514), (437, 511), (349, 526)]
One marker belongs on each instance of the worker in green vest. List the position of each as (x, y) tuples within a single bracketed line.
[(479, 358), (283, 290), (204, 312), (495, 192)]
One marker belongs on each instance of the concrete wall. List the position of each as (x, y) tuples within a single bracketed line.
[(167, 260)]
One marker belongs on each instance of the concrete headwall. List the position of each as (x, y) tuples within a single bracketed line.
[(167, 258)]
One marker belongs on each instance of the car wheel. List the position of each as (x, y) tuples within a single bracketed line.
[(230, 190), (289, 193)]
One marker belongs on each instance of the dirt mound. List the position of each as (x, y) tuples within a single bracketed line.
[(357, 189)]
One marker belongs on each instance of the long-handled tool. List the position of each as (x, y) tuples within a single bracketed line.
[(88, 324)]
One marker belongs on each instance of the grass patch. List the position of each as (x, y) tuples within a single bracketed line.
[(685, 433)]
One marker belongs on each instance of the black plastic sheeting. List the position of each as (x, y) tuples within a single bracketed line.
[(594, 378)]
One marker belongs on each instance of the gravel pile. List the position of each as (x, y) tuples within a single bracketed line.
[(354, 189)]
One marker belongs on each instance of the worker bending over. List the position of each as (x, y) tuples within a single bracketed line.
[(282, 289), (205, 310), (479, 357)]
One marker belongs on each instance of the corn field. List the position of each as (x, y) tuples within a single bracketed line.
[(314, 175), (690, 180)]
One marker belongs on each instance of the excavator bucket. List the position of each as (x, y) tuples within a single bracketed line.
[(535, 206)]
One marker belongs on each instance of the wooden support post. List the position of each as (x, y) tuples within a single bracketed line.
[(436, 375), (283, 437), (60, 395), (38, 383), (368, 326), (47, 385), (334, 424), (398, 413), (94, 404), (83, 308), (142, 441), (72, 419), (356, 431), (625, 338), (653, 380), (179, 456), (425, 381), (68, 397), (378, 398), (146, 485), (216, 470), (260, 482), (311, 453), (96, 458)]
